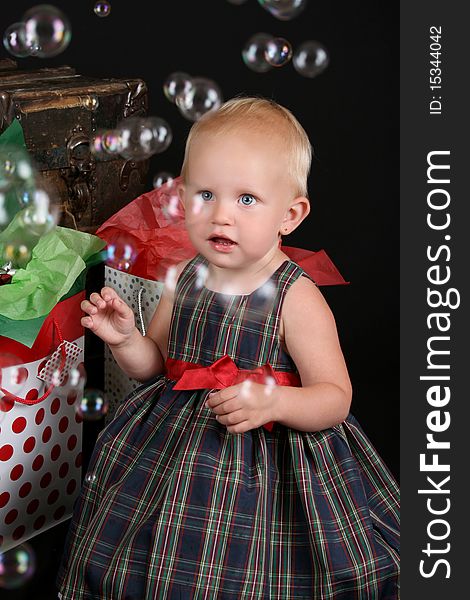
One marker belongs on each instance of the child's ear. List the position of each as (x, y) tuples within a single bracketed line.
[(295, 214), (180, 189)]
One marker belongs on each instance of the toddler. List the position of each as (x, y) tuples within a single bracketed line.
[(235, 470)]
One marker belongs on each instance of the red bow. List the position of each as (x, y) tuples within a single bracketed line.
[(223, 373)]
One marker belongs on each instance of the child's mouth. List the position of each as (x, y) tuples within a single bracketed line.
[(222, 244), (221, 240)]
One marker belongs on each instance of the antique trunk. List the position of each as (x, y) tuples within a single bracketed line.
[(59, 112)]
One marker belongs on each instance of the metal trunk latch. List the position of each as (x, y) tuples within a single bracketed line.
[(80, 175)]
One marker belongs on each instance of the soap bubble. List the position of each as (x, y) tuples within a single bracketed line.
[(76, 378), (202, 273), (93, 405), (16, 252), (90, 478), (47, 30), (144, 136), (171, 279), (203, 96), (246, 388), (163, 178), (121, 254), (7, 170), (112, 142), (102, 8), (92, 102), (15, 167), (284, 10), (254, 52), (310, 59), (262, 303), (106, 142), (5, 216), (278, 52), (25, 193), (14, 40), (270, 385), (74, 383), (12, 373), (40, 216), (8, 208), (177, 83), (194, 206), (16, 566), (172, 207)]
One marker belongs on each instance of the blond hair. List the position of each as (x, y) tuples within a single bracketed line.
[(264, 116)]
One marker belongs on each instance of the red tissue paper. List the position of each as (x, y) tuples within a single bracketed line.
[(158, 236)]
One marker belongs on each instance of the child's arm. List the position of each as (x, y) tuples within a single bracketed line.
[(109, 317), (325, 396), (312, 341)]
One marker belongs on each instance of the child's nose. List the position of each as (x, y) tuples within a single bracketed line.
[(222, 213)]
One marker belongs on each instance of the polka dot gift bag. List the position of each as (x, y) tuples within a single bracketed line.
[(145, 239), (41, 384)]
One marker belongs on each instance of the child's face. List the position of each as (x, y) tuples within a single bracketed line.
[(237, 196)]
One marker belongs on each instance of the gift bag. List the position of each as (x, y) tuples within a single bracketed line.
[(40, 432), (41, 378), (142, 295)]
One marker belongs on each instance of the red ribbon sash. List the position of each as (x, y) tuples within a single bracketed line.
[(223, 373)]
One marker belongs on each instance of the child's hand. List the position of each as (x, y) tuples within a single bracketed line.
[(108, 316), (244, 406)]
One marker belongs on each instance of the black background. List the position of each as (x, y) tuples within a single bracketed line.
[(351, 115)]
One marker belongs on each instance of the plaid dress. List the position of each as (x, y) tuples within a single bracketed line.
[(175, 507)]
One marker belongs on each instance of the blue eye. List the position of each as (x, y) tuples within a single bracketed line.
[(206, 195), (247, 200)]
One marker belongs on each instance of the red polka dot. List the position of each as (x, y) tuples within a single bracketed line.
[(63, 424), (39, 522), (38, 462), (16, 472), (45, 480), (55, 452), (71, 398), (64, 469), (59, 513), (72, 442), (65, 380), (7, 403), (32, 506), (18, 425), (82, 371), (29, 444), (21, 375), (55, 406), (40, 416), (19, 532), (78, 460), (53, 496), (78, 418), (11, 516), (4, 498), (6, 452), (46, 434), (25, 489), (33, 394), (42, 365), (72, 484)]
